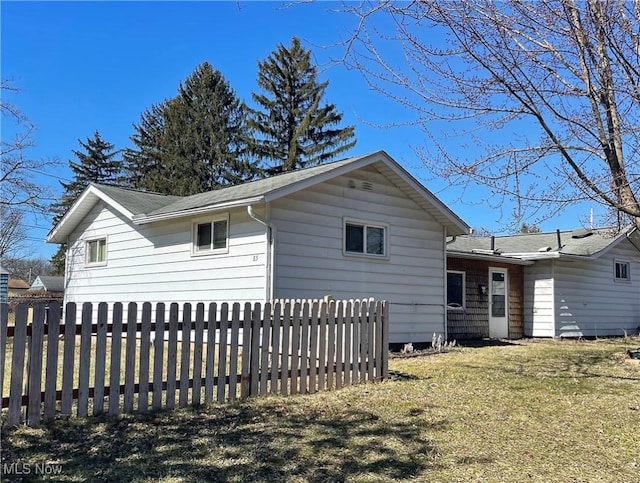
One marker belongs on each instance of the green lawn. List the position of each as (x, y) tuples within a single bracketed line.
[(527, 411)]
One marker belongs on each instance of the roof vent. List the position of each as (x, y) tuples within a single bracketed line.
[(578, 234), (367, 186), (544, 249)]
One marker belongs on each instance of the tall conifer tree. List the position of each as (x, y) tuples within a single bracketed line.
[(194, 142), (292, 128), (95, 164)]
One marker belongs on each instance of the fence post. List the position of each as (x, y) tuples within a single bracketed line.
[(34, 374), (385, 340)]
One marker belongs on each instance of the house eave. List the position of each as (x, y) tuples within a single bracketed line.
[(202, 210), (488, 258)]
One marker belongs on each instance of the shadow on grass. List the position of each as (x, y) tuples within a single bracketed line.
[(241, 442)]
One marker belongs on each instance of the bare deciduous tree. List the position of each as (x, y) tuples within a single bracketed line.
[(18, 172), (559, 80)]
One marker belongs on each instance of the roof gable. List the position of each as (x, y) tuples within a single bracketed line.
[(144, 208)]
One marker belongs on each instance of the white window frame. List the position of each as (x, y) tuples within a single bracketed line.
[(198, 252), (622, 262), (87, 251), (365, 224), (464, 290)]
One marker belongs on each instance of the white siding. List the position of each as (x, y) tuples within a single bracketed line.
[(590, 303), (538, 299), (309, 252), (154, 263)]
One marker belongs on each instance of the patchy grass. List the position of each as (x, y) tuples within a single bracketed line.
[(527, 411)]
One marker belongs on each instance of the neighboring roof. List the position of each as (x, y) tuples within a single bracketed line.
[(4, 271), (532, 246), (48, 283), (17, 284), (141, 207)]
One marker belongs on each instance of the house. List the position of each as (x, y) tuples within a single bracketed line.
[(360, 227), (17, 287), (48, 284), (581, 283)]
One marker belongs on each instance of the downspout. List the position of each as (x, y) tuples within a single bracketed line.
[(444, 285), (270, 255)]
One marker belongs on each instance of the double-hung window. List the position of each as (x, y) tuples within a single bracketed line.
[(621, 271), (211, 236), (368, 239), (96, 252)]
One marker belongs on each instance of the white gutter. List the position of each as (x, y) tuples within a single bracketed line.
[(144, 219), (270, 251)]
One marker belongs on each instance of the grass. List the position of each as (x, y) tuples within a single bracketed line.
[(527, 411)]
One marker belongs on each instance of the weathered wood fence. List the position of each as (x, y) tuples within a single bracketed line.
[(146, 357)]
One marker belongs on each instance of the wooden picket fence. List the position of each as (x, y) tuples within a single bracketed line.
[(114, 361)]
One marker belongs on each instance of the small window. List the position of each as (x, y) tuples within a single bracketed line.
[(96, 251), (622, 271), (455, 290), (211, 236), (365, 239)]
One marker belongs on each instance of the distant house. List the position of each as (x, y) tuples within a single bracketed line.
[(580, 283), (17, 287), (360, 227), (48, 284)]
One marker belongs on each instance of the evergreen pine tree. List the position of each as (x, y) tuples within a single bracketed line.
[(194, 142), (95, 164), (292, 128)]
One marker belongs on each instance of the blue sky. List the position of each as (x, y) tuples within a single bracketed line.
[(87, 66)]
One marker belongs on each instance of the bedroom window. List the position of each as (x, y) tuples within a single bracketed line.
[(96, 252), (365, 239), (455, 290), (622, 271), (211, 236)]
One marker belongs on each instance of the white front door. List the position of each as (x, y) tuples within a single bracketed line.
[(498, 303)]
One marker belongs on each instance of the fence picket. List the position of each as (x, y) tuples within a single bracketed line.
[(143, 363), (100, 355), (115, 369), (339, 375), (34, 375), (275, 347), (233, 362), (245, 376), (264, 355), (364, 339), (4, 324), (295, 347), (355, 341), (286, 348), (85, 359), (197, 355), (158, 357), (172, 356), (304, 348), (372, 342), (384, 322), (313, 347), (130, 357), (210, 360), (68, 361), (222, 352), (348, 331), (185, 347), (17, 366), (331, 343), (51, 367), (322, 345), (254, 367)]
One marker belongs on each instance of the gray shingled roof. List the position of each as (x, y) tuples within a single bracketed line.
[(51, 283), (573, 243), (137, 202), (249, 190)]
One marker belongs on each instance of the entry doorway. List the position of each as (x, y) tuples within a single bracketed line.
[(498, 303)]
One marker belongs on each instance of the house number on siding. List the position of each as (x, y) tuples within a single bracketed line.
[(255, 258)]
